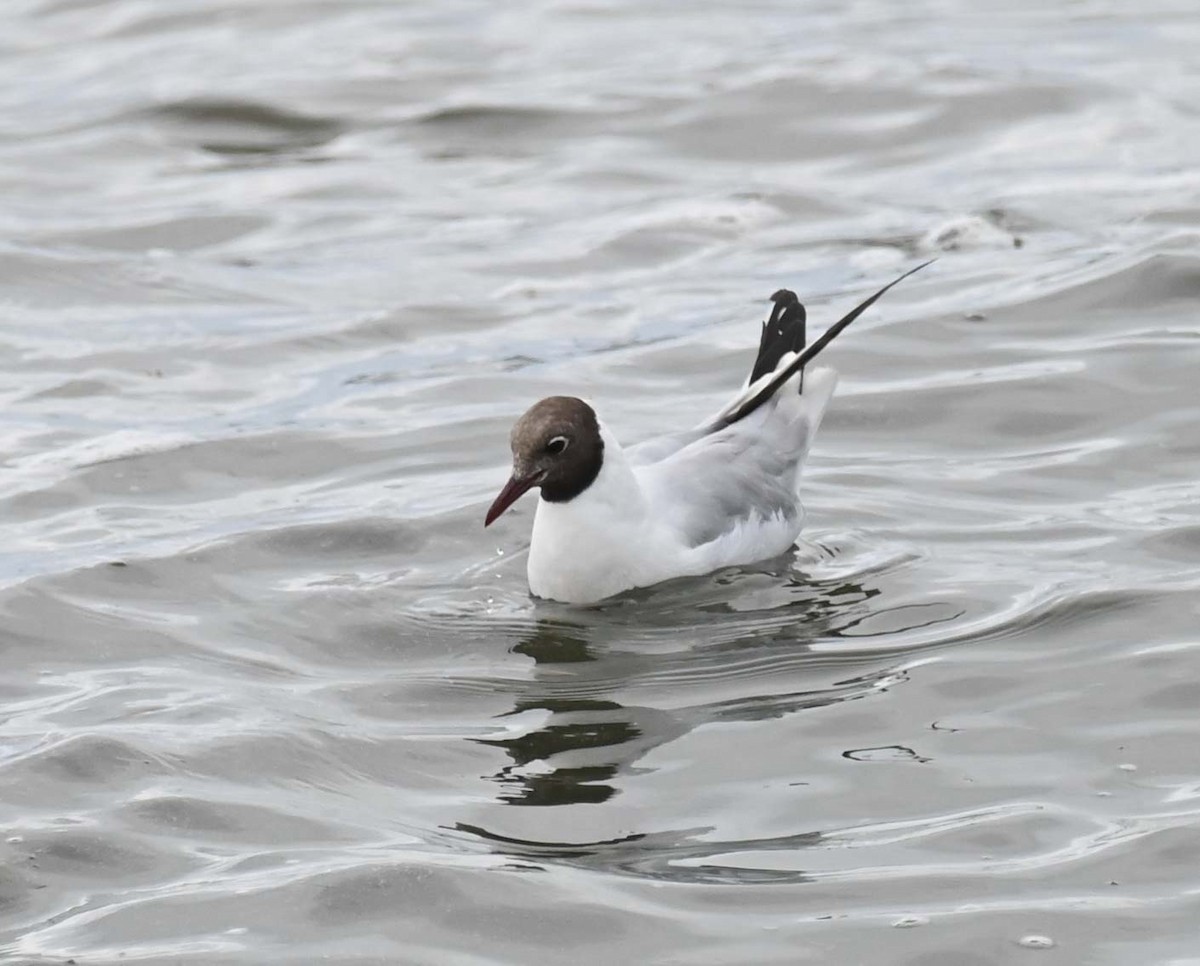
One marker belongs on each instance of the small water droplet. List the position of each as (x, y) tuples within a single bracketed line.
[(14, 839), (1036, 942), (908, 922), (1127, 766), (1104, 794)]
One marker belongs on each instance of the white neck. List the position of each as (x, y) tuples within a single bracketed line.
[(581, 546)]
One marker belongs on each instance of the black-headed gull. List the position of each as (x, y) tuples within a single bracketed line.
[(724, 493)]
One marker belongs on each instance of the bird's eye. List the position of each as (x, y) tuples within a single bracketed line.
[(556, 445)]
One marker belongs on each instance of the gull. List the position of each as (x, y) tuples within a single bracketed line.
[(726, 492)]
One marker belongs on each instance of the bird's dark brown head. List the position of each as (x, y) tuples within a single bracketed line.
[(556, 445)]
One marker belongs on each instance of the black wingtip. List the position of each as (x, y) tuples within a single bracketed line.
[(798, 364), (785, 331)]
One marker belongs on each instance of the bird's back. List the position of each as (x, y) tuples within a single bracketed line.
[(744, 477)]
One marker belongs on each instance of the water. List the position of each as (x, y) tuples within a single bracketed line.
[(277, 277)]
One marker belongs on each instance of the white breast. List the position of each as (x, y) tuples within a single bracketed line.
[(602, 542)]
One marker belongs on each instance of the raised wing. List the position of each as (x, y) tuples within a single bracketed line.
[(758, 392), (781, 354)]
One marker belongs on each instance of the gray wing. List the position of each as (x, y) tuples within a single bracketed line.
[(719, 480), (745, 461)]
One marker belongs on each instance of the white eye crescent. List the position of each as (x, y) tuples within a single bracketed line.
[(557, 444)]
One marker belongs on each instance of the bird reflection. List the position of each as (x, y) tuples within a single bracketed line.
[(643, 854), (576, 754), (580, 726), (577, 738), (585, 738)]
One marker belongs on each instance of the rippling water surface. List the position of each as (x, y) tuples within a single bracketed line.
[(276, 278)]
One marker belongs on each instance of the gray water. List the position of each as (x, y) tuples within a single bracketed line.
[(277, 277)]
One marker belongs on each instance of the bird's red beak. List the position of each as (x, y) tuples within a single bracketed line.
[(513, 490)]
